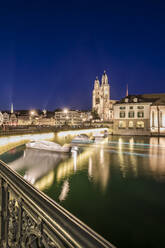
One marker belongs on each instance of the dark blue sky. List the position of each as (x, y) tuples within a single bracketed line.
[(51, 51)]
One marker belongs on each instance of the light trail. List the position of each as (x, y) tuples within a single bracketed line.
[(135, 144)]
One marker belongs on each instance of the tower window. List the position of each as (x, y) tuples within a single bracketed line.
[(97, 100)]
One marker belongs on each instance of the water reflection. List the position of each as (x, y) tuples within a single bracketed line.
[(35, 164), (110, 180), (157, 158), (90, 168), (88, 159), (64, 191)]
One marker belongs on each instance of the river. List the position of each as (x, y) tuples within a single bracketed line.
[(116, 187)]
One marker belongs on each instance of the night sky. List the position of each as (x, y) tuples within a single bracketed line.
[(51, 51)]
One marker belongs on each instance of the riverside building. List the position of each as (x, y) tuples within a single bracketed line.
[(71, 117), (140, 115)]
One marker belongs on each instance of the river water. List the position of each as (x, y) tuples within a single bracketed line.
[(116, 187)]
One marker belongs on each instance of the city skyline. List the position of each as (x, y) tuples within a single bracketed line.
[(52, 52)]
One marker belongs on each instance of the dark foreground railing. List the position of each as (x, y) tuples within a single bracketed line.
[(28, 218)]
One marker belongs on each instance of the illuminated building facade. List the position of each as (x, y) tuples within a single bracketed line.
[(140, 115), (101, 102), (71, 117), (6, 119)]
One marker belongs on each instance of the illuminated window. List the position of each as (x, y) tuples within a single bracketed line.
[(130, 124), (122, 124), (140, 114), (122, 114), (140, 124), (131, 114)]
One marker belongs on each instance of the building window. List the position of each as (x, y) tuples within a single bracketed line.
[(131, 114), (131, 107), (122, 114), (135, 99), (153, 123), (140, 124), (126, 99), (140, 107), (122, 124), (122, 107), (130, 125), (140, 114)]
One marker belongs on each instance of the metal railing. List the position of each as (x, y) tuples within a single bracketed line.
[(29, 218)]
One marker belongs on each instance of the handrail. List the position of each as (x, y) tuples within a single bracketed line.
[(29, 218)]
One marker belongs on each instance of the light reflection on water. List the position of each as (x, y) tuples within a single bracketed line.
[(35, 164), (116, 187)]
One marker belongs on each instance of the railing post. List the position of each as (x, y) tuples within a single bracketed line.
[(19, 222), (4, 197)]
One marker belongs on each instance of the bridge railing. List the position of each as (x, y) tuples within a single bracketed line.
[(29, 218)]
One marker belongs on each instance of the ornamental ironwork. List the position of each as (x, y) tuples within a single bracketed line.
[(30, 219)]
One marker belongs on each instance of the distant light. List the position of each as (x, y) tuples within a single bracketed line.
[(65, 110), (44, 111), (32, 112)]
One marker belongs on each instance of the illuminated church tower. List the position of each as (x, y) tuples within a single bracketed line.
[(101, 98)]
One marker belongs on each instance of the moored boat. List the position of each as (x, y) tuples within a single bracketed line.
[(49, 146)]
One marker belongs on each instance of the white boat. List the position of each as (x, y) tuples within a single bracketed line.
[(82, 138), (49, 146)]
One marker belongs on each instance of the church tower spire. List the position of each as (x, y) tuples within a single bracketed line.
[(127, 90), (96, 96), (12, 109), (104, 79)]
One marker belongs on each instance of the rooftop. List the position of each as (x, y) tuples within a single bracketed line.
[(155, 99)]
